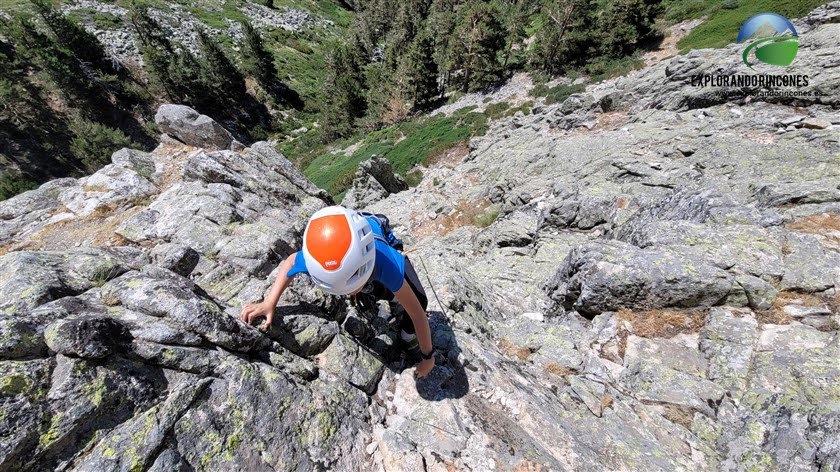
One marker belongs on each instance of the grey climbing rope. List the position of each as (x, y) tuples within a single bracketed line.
[(431, 286)]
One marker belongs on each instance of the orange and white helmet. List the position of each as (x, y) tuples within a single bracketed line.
[(338, 248)]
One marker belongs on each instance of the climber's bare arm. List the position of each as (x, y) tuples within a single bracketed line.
[(407, 298), (252, 311)]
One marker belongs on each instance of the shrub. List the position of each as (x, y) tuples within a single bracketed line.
[(93, 143), (605, 68), (454, 97), (12, 184), (525, 108), (496, 110), (490, 215), (539, 90), (556, 94), (406, 144), (414, 177)]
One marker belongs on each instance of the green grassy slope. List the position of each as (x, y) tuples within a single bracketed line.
[(723, 23), (405, 145)]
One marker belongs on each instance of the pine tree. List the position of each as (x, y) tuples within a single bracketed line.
[(36, 64), (343, 92), (83, 45), (16, 103), (93, 143), (374, 21), (582, 37), (218, 72), (58, 62), (479, 37), (406, 24), (399, 37), (441, 24), (185, 72), (624, 24), (517, 13), (567, 34), (420, 72), (175, 69), (388, 94), (157, 50), (386, 99), (256, 60)]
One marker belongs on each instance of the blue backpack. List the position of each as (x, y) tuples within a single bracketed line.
[(389, 238)]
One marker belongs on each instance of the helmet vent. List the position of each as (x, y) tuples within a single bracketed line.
[(320, 282), (355, 276)]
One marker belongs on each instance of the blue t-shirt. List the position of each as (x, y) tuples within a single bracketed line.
[(388, 267)]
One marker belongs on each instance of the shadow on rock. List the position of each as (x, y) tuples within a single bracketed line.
[(449, 378), (374, 326), (304, 329)]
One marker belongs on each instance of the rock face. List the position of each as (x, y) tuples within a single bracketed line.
[(181, 23), (189, 127), (374, 180), (609, 276), (657, 292), (126, 357)]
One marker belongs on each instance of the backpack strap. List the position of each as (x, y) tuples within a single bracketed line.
[(388, 236)]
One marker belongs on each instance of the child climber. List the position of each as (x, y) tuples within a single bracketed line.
[(345, 252)]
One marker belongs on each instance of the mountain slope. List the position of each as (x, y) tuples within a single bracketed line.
[(654, 289)]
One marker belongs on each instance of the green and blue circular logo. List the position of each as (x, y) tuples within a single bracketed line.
[(774, 39)]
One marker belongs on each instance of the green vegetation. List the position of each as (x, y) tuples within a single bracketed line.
[(208, 81), (556, 94), (676, 11), (13, 6), (66, 106), (332, 10), (578, 32), (93, 143), (724, 20), (488, 217), (102, 20), (259, 64), (14, 384), (216, 18), (344, 100), (495, 111), (368, 77), (405, 145), (300, 56), (12, 184), (414, 177), (606, 68)]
